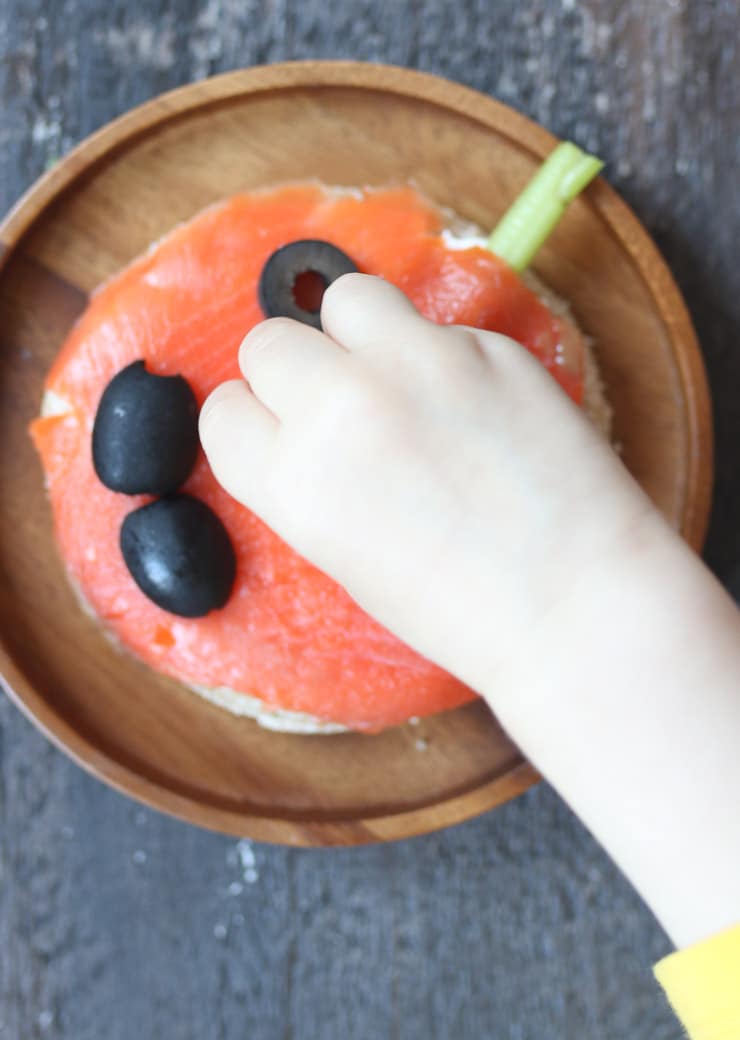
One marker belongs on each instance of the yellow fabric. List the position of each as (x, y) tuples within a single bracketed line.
[(703, 985)]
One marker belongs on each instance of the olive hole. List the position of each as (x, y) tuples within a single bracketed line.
[(308, 291)]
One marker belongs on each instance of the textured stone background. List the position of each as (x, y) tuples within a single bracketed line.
[(116, 923)]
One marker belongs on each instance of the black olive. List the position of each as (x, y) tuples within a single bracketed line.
[(145, 437), (294, 279), (180, 555)]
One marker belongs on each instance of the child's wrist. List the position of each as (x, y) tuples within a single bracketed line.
[(617, 601), (637, 728)]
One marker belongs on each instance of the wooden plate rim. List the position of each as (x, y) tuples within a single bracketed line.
[(527, 136)]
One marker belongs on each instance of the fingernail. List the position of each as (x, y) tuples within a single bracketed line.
[(266, 333), (206, 412), (212, 404)]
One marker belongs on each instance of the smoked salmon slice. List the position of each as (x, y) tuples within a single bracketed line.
[(288, 635)]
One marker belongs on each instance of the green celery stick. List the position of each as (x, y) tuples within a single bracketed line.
[(533, 216)]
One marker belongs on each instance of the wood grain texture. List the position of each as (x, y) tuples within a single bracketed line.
[(117, 922), (129, 185)]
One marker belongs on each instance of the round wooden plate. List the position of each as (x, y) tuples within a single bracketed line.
[(344, 123)]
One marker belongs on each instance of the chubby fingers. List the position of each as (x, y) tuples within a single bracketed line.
[(369, 315), (287, 363), (291, 369), (290, 366), (237, 433), (286, 366)]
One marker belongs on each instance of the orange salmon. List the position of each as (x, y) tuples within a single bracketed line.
[(288, 635)]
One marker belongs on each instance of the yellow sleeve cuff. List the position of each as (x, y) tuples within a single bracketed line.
[(703, 985)]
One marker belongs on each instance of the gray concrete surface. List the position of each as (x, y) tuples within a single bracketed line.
[(116, 923)]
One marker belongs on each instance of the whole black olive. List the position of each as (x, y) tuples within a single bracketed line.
[(145, 436), (180, 555), (294, 278)]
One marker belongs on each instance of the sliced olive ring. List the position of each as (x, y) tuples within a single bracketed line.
[(295, 277)]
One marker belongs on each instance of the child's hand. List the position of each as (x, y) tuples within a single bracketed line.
[(438, 473), (445, 480)]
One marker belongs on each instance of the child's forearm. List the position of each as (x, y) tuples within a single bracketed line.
[(639, 729)]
